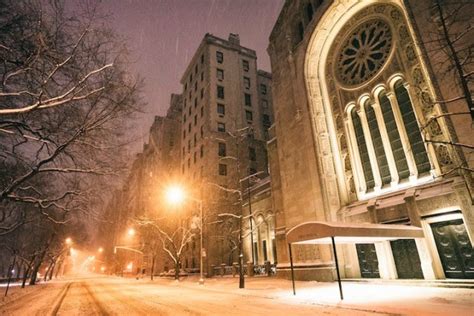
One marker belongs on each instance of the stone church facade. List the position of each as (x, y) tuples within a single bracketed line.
[(359, 136)]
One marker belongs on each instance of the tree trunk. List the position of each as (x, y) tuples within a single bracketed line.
[(60, 265), (52, 270), (176, 270), (27, 272), (152, 266), (47, 271), (25, 276), (34, 273)]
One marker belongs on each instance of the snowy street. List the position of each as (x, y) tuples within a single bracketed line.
[(98, 295)]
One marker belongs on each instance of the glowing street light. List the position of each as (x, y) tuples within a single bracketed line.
[(68, 241), (131, 232), (176, 195), (100, 250)]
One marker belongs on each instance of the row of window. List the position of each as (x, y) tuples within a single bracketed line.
[(222, 151), (220, 60), (403, 141)]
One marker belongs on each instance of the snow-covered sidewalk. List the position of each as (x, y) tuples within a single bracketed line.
[(369, 297)]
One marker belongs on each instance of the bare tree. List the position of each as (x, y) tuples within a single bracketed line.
[(65, 98), (174, 235)]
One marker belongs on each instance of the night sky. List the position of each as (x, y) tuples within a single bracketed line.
[(164, 34)]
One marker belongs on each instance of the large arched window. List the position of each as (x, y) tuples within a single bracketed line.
[(377, 143), (394, 137), (413, 131), (397, 152), (362, 150)]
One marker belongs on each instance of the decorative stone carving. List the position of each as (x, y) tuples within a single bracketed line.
[(396, 15), (364, 52), (339, 124), (434, 128), (417, 76), (343, 142), (443, 155), (410, 53), (347, 163), (403, 33)]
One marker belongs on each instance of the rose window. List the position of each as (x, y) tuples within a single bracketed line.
[(364, 52)]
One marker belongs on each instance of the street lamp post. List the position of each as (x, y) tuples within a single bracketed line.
[(201, 279)]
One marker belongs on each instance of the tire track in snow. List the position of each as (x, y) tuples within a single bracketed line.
[(60, 300)]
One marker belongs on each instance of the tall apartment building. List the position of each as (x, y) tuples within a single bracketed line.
[(227, 110), (155, 166)]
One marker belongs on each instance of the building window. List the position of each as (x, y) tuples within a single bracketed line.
[(249, 116), (222, 152), (195, 157), (222, 169), (201, 151), (265, 104), (220, 92), (412, 129), (195, 86), (299, 32), (266, 121), (202, 93), (202, 131), (184, 134), (202, 111), (220, 57), (189, 146), (309, 11), (363, 151), (263, 89), (220, 74), (189, 127), (220, 127), (195, 139), (252, 154), (189, 163), (221, 109), (189, 111), (202, 58), (378, 143), (246, 83), (185, 86), (394, 137), (184, 118), (248, 99), (202, 76), (245, 65), (195, 120), (196, 69)]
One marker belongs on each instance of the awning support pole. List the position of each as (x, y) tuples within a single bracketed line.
[(337, 267), (292, 270)]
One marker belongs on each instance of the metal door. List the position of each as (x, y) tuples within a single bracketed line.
[(368, 262), (407, 260), (454, 248)]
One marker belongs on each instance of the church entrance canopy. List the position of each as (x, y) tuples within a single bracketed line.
[(330, 233)]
